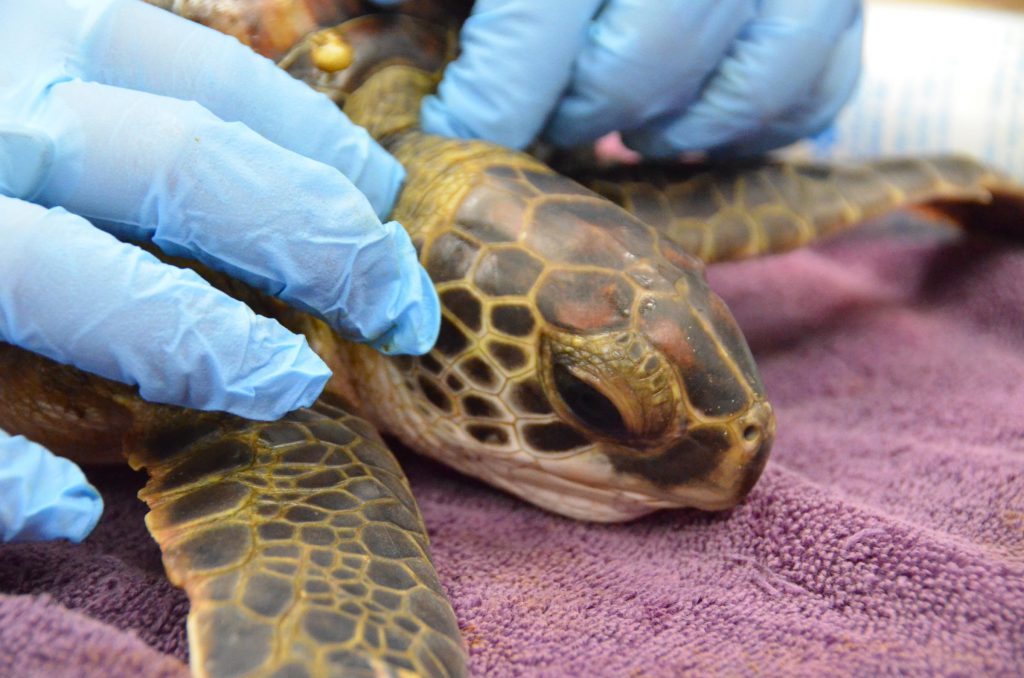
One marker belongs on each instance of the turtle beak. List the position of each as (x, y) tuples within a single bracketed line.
[(712, 466)]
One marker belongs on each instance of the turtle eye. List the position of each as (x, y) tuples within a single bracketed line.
[(588, 404)]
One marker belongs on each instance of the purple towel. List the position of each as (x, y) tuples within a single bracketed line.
[(886, 535)]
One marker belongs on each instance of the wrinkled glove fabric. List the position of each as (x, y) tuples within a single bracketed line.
[(119, 122)]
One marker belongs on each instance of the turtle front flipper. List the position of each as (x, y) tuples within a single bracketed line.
[(764, 208), (300, 547)]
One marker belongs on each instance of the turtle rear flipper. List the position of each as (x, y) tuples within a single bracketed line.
[(1001, 213), (764, 208), (300, 547)]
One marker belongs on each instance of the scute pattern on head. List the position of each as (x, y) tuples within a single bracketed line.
[(553, 361), (567, 340)]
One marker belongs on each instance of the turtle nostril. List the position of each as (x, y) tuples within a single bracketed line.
[(754, 467), (758, 425)]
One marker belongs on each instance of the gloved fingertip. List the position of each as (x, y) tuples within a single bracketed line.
[(294, 377), (437, 117), (393, 306), (313, 374), (79, 513), (351, 150), (381, 183), (26, 156), (44, 496), (416, 330), (457, 114)]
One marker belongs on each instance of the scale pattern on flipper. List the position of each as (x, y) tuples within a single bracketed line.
[(747, 211), (300, 547)]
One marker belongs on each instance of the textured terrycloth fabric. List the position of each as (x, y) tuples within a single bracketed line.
[(886, 535)]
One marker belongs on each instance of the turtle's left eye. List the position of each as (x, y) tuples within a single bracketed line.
[(588, 404)]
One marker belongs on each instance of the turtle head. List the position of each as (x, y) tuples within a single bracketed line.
[(658, 400), (587, 364), (670, 407)]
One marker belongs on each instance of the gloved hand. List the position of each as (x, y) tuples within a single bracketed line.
[(118, 116), (43, 496), (724, 76)]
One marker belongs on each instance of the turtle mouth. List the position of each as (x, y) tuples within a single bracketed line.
[(713, 466), (579, 496), (711, 470), (586, 501)]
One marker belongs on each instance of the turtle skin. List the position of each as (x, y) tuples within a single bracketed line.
[(298, 542), (748, 210), (583, 365)]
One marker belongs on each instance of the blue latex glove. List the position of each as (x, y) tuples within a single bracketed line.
[(725, 76), (43, 496), (117, 116)]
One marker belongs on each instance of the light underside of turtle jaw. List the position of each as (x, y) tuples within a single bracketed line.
[(604, 503), (585, 486)]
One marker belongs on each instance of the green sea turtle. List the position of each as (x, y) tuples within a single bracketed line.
[(583, 365)]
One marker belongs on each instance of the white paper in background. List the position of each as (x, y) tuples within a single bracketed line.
[(936, 78)]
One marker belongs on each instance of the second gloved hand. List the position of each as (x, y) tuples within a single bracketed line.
[(725, 76)]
